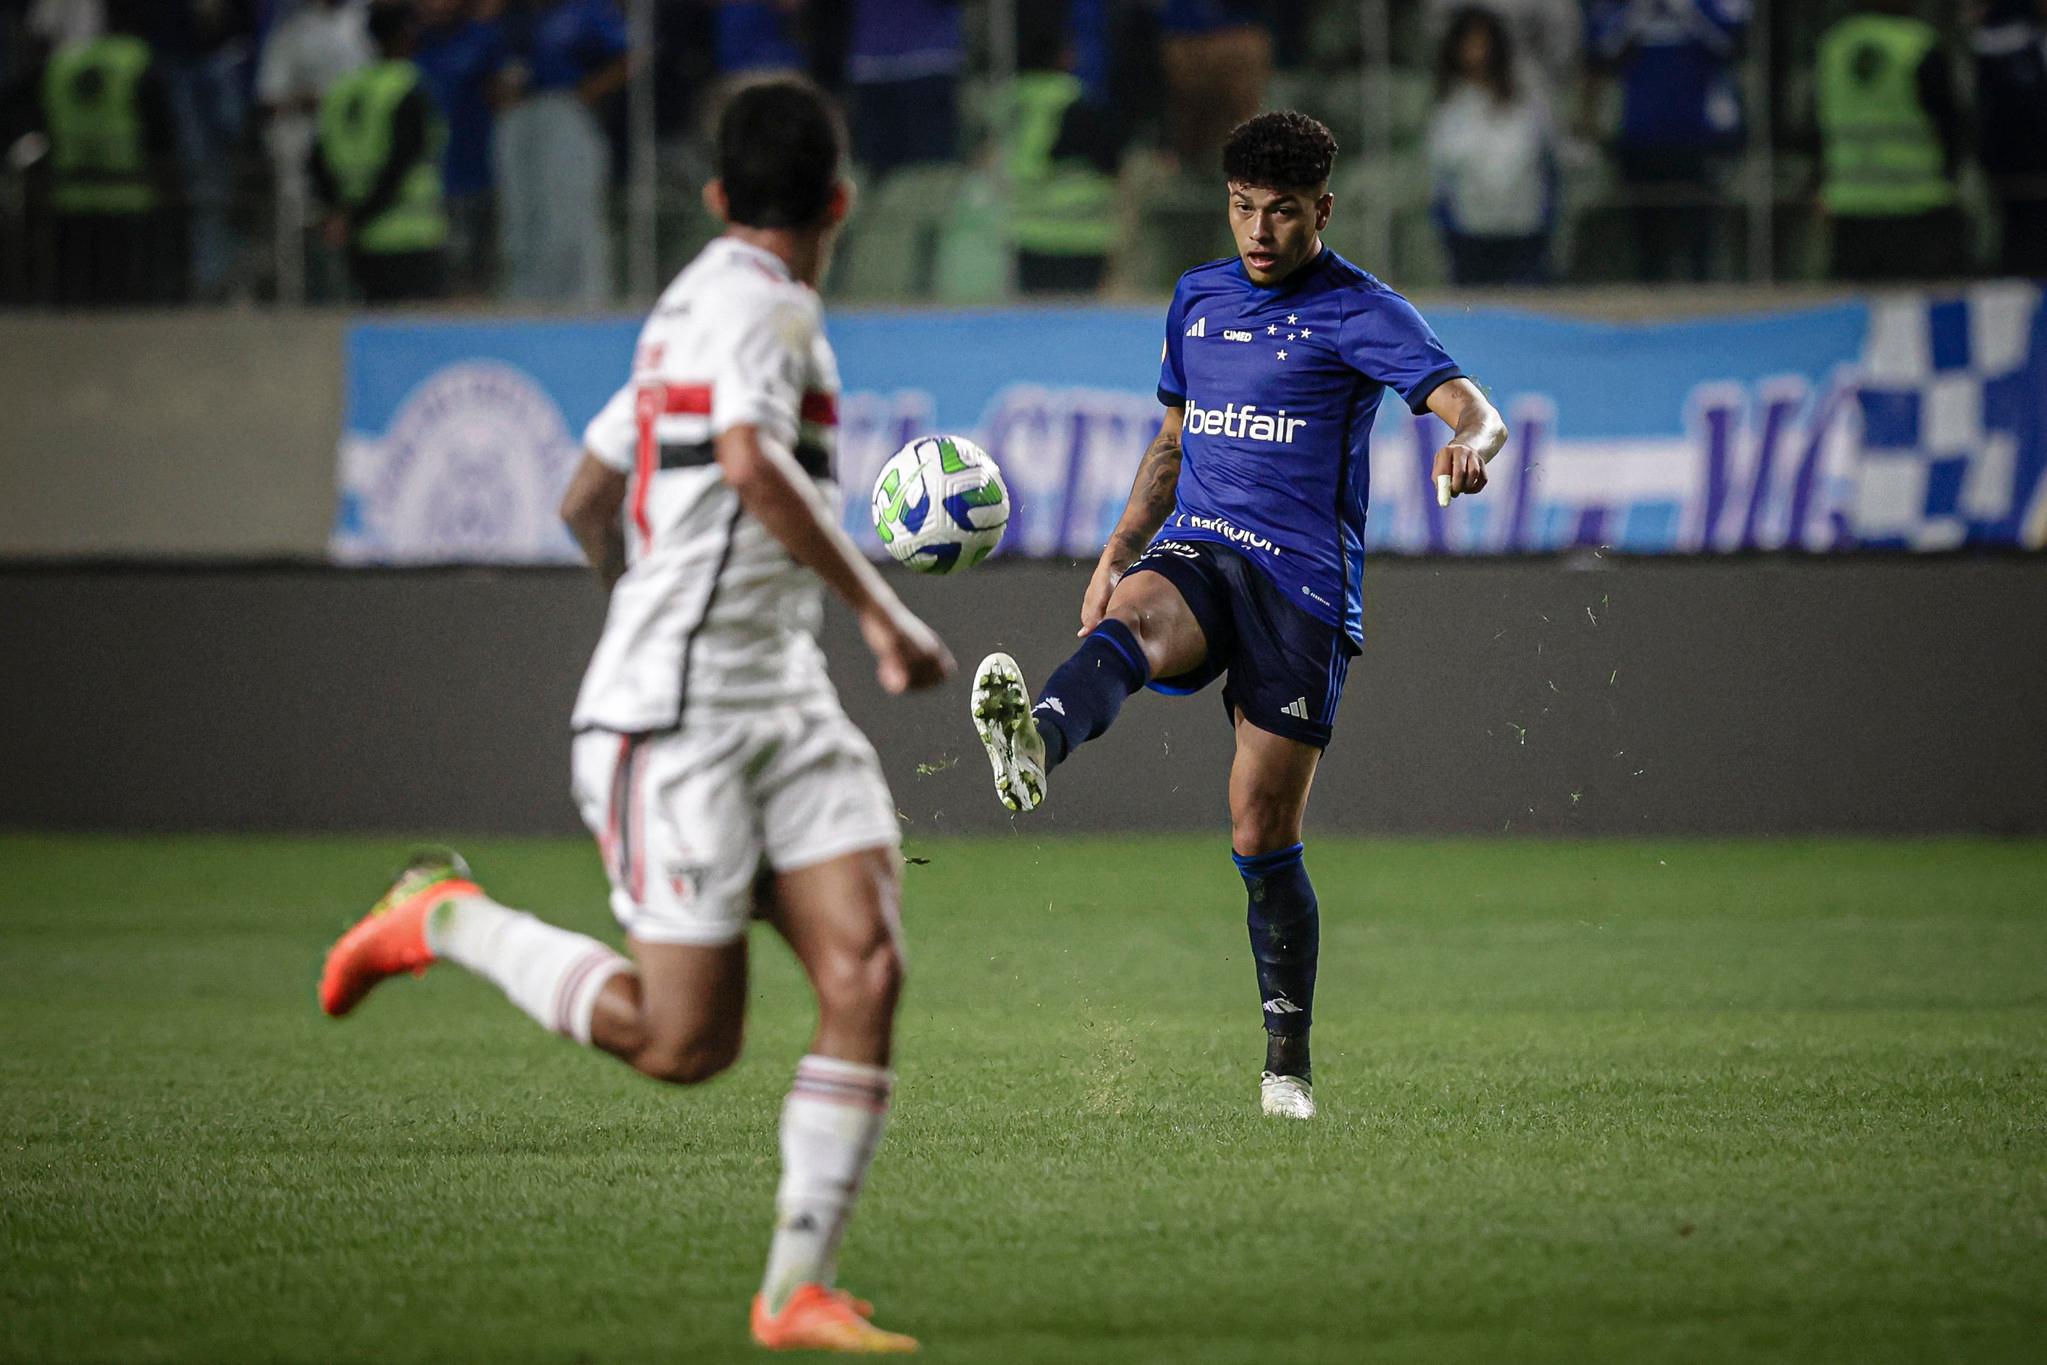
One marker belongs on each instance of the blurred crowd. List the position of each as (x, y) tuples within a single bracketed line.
[(398, 150)]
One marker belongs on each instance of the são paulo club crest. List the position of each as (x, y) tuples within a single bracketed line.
[(471, 470)]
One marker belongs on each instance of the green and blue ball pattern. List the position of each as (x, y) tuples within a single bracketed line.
[(940, 505)]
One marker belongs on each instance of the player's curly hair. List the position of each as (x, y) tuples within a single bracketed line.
[(1284, 149)]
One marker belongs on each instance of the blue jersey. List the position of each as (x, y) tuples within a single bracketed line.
[(458, 62), (1280, 387)]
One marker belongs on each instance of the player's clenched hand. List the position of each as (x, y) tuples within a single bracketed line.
[(1094, 604), (1462, 466), (908, 655)]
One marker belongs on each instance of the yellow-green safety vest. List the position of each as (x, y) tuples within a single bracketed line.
[(99, 151), (1059, 208), (356, 120), (1882, 154)]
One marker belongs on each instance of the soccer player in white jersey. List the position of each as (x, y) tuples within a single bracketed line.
[(712, 760)]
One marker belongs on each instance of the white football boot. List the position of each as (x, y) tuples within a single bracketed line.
[(1002, 717), (1286, 1097)]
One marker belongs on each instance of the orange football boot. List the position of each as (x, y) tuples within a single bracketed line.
[(821, 1319), (391, 938)]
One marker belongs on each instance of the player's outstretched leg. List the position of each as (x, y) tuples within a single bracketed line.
[(436, 910), (839, 917), (1081, 700), (675, 1016), (1001, 706)]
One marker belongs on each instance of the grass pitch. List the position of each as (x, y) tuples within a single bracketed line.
[(1625, 1101)]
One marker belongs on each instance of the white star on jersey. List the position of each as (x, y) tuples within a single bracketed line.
[(1292, 318), (1282, 355), (1272, 329)]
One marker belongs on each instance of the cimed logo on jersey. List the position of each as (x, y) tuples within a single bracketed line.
[(1199, 328)]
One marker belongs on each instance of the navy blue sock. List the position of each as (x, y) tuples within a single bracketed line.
[(1286, 938), (1083, 695)]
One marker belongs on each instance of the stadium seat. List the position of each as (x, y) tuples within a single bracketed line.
[(1333, 97), (1585, 183), (892, 241), (1411, 97), (682, 227), (1180, 223), (973, 255), (1414, 257)]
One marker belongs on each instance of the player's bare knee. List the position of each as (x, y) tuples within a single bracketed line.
[(1264, 825), (878, 976), (688, 1061), (692, 1066), (863, 982), (623, 1034), (1133, 616), (1152, 636)]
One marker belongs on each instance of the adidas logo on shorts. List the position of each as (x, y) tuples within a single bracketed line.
[(1298, 708)]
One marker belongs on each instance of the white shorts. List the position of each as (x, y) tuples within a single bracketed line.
[(688, 819)]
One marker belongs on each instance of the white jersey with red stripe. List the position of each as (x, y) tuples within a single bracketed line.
[(712, 611)]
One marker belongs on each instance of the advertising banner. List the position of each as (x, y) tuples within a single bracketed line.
[(1908, 422)]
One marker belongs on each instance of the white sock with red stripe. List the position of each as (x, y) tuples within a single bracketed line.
[(831, 1124), (553, 975)]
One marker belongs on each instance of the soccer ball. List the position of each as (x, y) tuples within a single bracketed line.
[(940, 504)]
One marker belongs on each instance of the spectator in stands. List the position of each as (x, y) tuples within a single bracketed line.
[(759, 36), (1891, 138), (208, 48), (20, 117), (376, 166), (308, 50), (683, 66), (62, 22), (460, 50), (2010, 43), (1548, 39), (1680, 119), (113, 165), (1492, 156), (1091, 29), (1218, 61), (904, 70), (1062, 153), (12, 42), (564, 59)]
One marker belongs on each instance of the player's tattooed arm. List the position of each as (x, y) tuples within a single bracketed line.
[(1151, 493), (590, 509), (1476, 435), (1151, 501)]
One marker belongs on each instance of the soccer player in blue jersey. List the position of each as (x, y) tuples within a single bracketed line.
[(1239, 553)]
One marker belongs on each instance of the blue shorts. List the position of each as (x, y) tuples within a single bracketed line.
[(1286, 668)]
